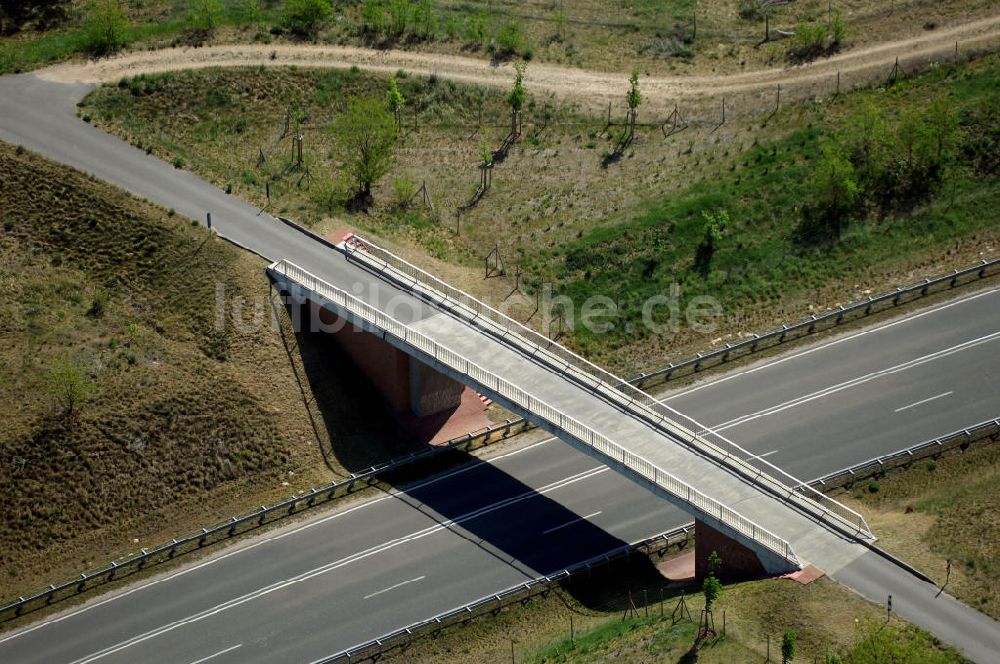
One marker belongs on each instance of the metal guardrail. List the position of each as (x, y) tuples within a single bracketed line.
[(492, 383), (599, 381), (990, 429), (875, 465), (241, 524), (700, 362), (819, 323), (493, 602)]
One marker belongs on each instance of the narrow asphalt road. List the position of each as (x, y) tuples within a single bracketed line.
[(355, 575)]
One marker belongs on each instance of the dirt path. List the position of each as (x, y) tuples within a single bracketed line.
[(592, 88)]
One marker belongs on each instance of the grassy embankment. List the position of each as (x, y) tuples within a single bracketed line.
[(653, 35), (827, 618), (173, 425), (941, 510), (627, 231), (936, 510)]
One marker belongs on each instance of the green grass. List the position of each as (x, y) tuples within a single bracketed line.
[(160, 22), (764, 254), (959, 495), (626, 232)]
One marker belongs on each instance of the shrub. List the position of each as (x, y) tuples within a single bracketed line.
[(205, 14), (57, 259), (306, 17), (510, 39), (105, 27), (98, 305), (751, 10), (373, 17), (873, 486), (177, 162), (476, 28), (399, 16), (425, 19), (8, 225), (835, 193), (404, 189), (814, 39)]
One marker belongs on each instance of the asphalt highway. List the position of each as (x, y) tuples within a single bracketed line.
[(355, 574)]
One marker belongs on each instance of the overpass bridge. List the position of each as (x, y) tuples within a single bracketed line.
[(759, 518)]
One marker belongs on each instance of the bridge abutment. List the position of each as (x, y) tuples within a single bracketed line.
[(738, 560), (408, 385)]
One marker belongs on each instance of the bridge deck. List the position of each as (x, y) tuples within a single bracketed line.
[(811, 539)]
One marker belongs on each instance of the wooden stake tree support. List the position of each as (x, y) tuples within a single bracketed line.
[(261, 152), (495, 266), (517, 281), (485, 179), (556, 326), (425, 195), (723, 120), (681, 611), (896, 73), (706, 626), (677, 123), (777, 106)]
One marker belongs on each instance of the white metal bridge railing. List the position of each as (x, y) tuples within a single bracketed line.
[(599, 380), (700, 502)]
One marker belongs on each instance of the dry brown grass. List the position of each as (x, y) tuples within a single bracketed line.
[(824, 614), (186, 425), (940, 510)]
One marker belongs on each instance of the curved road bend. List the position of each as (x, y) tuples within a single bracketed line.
[(357, 574)]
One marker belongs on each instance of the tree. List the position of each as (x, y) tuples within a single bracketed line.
[(788, 646), (367, 132), (251, 13), (68, 382), (633, 98), (516, 96), (835, 189), (106, 26), (711, 586), (306, 17), (373, 16), (485, 153), (399, 16), (205, 14), (394, 98), (714, 225), (712, 589), (425, 19)]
